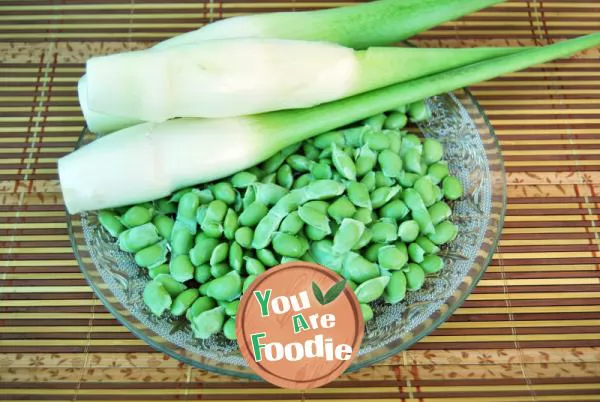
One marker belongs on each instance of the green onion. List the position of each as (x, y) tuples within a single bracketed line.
[(374, 23), (223, 78), (149, 161)]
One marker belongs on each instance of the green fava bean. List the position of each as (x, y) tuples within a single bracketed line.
[(181, 268), (341, 209), (384, 230), (316, 234), (353, 137), (285, 259), (212, 229), (432, 264), (408, 231), (289, 245), (230, 224), (364, 215), (376, 122), (365, 239), (381, 180), (224, 191), (152, 256), (249, 197), (314, 218), (269, 194), (432, 151), (164, 225), (377, 140), (372, 289), (202, 304), (267, 257), (134, 239), (203, 249), (419, 111), (412, 161), (310, 151), (207, 323), (427, 245), (236, 256), (382, 195), (416, 253), (231, 308), (409, 142), (326, 140), (343, 163), (351, 284), (220, 269), (253, 214), (229, 329), (395, 121), (415, 277), (452, 188), (179, 193), (424, 187), (347, 236), (366, 311), (321, 171), (292, 223), (438, 171), (137, 216), (439, 212), (395, 209), (392, 258), (445, 232), (269, 179), (201, 213), (407, 179), (299, 163), (184, 301), (365, 160), (285, 177), (247, 282), (216, 211), (109, 221), (395, 138), (243, 179), (318, 205), (302, 181), (254, 266), (156, 298), (390, 163), (170, 284), (359, 269), (202, 273), (372, 253), (186, 210), (160, 269), (227, 287), (421, 216), (243, 236), (413, 199), (358, 194), (395, 290), (181, 239), (165, 207), (370, 181), (308, 257), (219, 254), (322, 252), (438, 193)]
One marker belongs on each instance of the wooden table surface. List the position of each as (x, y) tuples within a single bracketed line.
[(529, 332)]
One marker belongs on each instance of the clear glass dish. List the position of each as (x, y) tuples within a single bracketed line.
[(474, 156)]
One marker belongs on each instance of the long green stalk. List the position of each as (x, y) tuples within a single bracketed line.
[(373, 23), (148, 161), (292, 126)]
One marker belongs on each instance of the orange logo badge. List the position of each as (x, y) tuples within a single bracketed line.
[(299, 326)]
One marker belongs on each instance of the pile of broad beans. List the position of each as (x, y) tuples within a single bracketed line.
[(368, 202)]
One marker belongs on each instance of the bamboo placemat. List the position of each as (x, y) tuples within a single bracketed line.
[(529, 332)]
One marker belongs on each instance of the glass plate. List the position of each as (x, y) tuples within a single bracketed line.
[(474, 156)]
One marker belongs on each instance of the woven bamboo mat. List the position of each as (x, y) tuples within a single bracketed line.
[(529, 332)]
